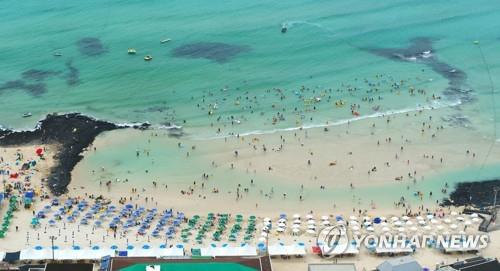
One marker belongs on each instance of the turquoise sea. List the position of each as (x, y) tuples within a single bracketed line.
[(228, 65)]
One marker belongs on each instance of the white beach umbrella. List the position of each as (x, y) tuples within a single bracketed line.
[(405, 217), (434, 221), (309, 216), (280, 229), (353, 217), (421, 222), (356, 233), (394, 218), (324, 217), (325, 222), (370, 229), (341, 222), (454, 213), (401, 229), (447, 220), (468, 222), (311, 227), (295, 226), (413, 228), (311, 231), (460, 218), (295, 230), (310, 222), (419, 218), (453, 226), (265, 228), (354, 222), (476, 220), (296, 216), (355, 228), (439, 227), (429, 216), (398, 223), (385, 229), (262, 239), (427, 228), (409, 223), (281, 224), (263, 234), (473, 215), (296, 221), (281, 220)]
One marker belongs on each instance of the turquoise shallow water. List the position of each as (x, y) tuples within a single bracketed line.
[(321, 50), (323, 58)]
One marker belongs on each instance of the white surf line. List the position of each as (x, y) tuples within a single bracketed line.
[(436, 105)]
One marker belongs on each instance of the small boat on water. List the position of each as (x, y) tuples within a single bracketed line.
[(57, 54), (148, 58), (284, 28), (165, 40), (27, 115), (131, 51)]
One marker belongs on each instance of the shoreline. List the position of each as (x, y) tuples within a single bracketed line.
[(72, 132)]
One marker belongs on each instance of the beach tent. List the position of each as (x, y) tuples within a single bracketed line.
[(35, 254), (406, 263), (393, 250), (96, 254), (2, 255), (170, 252), (244, 251), (338, 250), (290, 250)]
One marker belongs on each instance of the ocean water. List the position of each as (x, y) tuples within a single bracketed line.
[(229, 67)]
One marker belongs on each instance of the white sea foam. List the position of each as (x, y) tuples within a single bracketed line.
[(434, 105), (291, 24)]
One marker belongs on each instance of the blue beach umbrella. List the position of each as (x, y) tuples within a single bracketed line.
[(76, 247), (377, 220), (38, 247), (96, 248), (146, 246), (162, 246), (130, 247), (114, 247), (179, 246)]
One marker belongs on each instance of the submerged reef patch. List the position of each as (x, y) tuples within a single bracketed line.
[(420, 50), (90, 46), (214, 51)]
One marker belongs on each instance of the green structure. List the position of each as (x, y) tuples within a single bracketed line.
[(191, 267)]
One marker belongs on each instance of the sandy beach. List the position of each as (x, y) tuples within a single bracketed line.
[(364, 168)]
